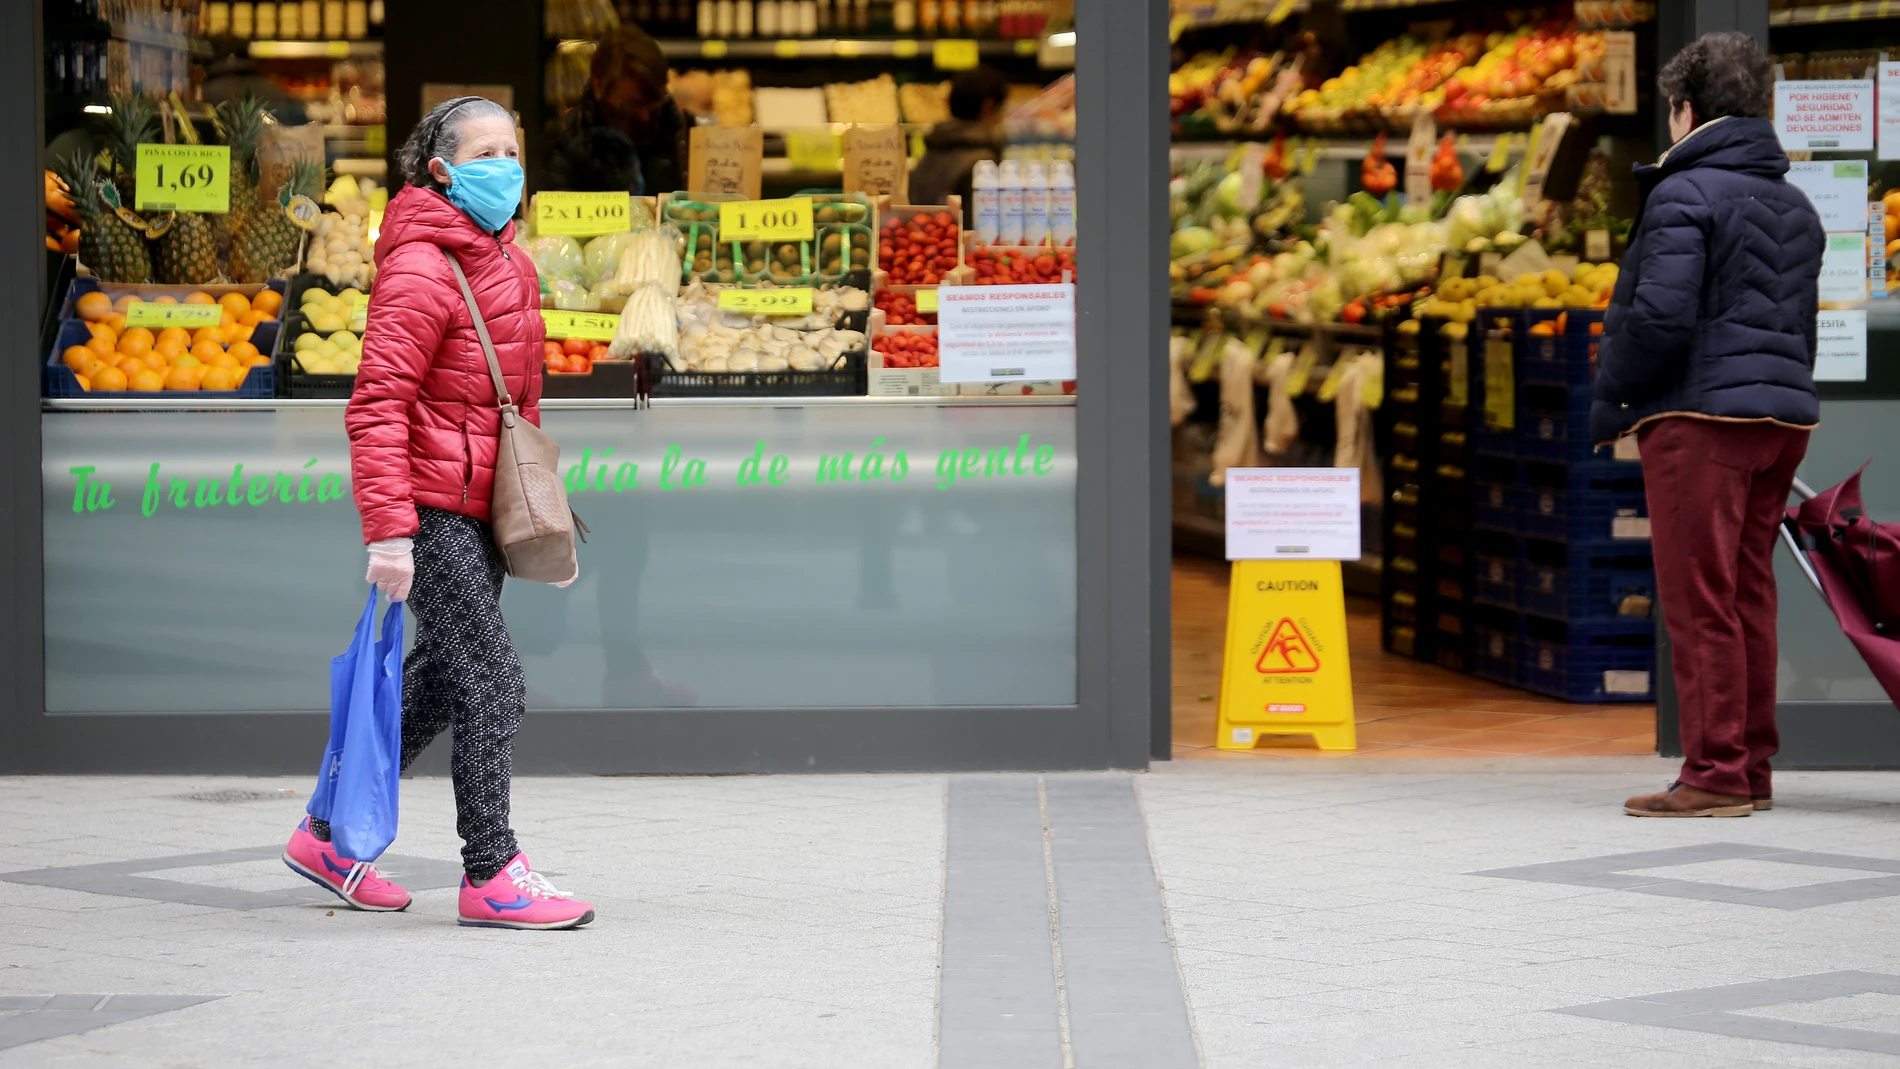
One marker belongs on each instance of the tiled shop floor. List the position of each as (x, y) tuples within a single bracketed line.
[(1227, 915), (1404, 708)]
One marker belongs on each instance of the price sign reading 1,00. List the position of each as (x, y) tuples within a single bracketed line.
[(766, 220)]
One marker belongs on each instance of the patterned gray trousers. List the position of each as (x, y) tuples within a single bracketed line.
[(463, 675)]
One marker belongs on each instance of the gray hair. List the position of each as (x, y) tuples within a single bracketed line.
[(440, 134)]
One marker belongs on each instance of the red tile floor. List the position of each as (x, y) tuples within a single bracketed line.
[(1403, 708)]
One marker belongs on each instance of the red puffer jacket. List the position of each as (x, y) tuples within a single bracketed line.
[(423, 422)]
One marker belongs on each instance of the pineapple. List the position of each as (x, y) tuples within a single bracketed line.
[(186, 252), (109, 245), (241, 123), (132, 121), (268, 241)]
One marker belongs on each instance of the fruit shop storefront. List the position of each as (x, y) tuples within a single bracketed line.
[(936, 579)]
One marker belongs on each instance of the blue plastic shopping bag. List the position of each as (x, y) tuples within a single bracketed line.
[(358, 781)]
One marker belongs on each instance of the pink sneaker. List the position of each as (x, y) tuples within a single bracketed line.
[(519, 897), (357, 884)]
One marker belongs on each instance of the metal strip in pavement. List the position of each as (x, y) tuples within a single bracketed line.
[(1126, 1008), (30, 1019), (997, 1003)]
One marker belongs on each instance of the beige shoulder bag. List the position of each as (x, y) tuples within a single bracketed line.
[(528, 510)]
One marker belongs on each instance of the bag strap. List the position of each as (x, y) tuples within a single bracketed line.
[(502, 399)]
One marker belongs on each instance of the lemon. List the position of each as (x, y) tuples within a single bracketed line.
[(313, 294), (307, 342)]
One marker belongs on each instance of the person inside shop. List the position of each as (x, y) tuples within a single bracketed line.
[(424, 425), (973, 133), (627, 132), (1708, 358)]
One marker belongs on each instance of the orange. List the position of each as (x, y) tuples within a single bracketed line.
[(92, 367), (219, 378), (156, 360), (267, 301), (164, 300), (148, 382), (200, 297), (266, 317), (131, 365), (123, 303), (77, 356), (171, 347), (207, 334), (135, 341), (93, 306), (101, 345), (218, 359), (259, 360), (183, 378), (205, 350), (238, 332), (1893, 227), (85, 383), (252, 318), (187, 360), (108, 378), (179, 333), (116, 321), (235, 303), (100, 330), (243, 350)]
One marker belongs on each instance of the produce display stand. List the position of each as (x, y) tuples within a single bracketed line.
[(60, 381)]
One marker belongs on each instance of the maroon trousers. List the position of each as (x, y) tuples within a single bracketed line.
[(1717, 491)]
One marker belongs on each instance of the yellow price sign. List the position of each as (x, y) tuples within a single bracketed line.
[(184, 178), (927, 300), (588, 326), (785, 302), (359, 312), (583, 214), (785, 49), (955, 54), (1028, 46), (904, 49), (152, 315), (712, 49), (813, 150), (846, 49), (766, 220)]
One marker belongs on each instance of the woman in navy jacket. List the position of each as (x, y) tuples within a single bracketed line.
[(1708, 357)]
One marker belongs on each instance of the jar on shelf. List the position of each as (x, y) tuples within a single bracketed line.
[(358, 17), (289, 20), (243, 20), (266, 17)]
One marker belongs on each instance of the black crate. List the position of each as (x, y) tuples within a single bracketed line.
[(847, 380)]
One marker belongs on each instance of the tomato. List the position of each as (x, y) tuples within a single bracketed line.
[(550, 350), (555, 365), (574, 347), (580, 365), (596, 352)]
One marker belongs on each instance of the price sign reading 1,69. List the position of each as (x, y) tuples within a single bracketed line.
[(583, 214), (766, 220), (184, 178), (785, 302), (152, 315)]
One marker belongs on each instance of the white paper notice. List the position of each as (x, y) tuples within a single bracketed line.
[(1837, 189), (1844, 268), (1006, 333), (1836, 115), (1889, 111), (1840, 350), (1292, 513)]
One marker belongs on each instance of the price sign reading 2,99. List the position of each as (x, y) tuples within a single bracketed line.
[(583, 214), (184, 178), (766, 220), (784, 302)]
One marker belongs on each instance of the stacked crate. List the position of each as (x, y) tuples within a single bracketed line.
[(1563, 585), (1427, 514)]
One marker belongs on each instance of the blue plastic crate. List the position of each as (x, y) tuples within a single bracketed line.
[(1583, 515), (1494, 645), (1594, 580), (1496, 569), (261, 381), (87, 284), (1588, 661), (1569, 358)]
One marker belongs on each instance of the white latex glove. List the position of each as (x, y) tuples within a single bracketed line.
[(392, 566)]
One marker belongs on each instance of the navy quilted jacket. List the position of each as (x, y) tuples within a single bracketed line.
[(1713, 314)]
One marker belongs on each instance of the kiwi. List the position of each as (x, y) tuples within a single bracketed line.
[(825, 216), (832, 242), (852, 213), (755, 267), (728, 275)]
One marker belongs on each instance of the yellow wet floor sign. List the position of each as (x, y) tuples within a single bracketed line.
[(1285, 669)]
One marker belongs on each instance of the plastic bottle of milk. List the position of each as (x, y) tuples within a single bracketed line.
[(1009, 181), (1035, 203), (986, 213), (1062, 204)]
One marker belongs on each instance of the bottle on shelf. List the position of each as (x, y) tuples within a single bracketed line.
[(290, 20), (358, 17), (904, 16), (706, 21), (824, 15), (952, 18), (986, 206), (1009, 189), (313, 18), (1035, 203), (1062, 203), (861, 16), (808, 18), (265, 18), (743, 22), (929, 13), (768, 19), (728, 19)]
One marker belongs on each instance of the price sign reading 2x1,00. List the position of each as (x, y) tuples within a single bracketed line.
[(766, 220), (583, 214), (184, 178)]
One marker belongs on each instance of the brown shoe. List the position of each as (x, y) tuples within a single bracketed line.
[(1766, 801), (1682, 800)]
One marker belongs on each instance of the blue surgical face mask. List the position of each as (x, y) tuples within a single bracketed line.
[(487, 190)]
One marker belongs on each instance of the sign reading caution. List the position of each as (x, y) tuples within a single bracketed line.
[(1285, 670)]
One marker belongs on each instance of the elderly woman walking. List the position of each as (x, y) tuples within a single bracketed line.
[(1708, 356), (424, 431)]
